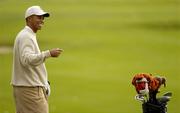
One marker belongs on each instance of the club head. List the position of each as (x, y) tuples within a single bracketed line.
[(169, 94), (165, 98), (140, 98)]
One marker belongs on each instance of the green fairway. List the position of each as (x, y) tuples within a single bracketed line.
[(105, 43)]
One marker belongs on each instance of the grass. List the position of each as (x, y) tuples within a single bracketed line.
[(106, 43)]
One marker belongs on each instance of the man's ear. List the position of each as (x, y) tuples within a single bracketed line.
[(29, 19)]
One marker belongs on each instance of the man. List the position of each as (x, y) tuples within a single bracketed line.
[(29, 77)]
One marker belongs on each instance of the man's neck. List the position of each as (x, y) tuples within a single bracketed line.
[(34, 30)]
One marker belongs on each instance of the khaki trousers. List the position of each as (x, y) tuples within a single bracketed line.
[(30, 99)]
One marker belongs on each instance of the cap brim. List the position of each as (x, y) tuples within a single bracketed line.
[(46, 15)]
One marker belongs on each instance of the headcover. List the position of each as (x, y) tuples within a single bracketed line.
[(145, 83)]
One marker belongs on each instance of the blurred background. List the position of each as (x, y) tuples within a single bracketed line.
[(105, 43)]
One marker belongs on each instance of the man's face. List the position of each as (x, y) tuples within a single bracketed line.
[(36, 22)]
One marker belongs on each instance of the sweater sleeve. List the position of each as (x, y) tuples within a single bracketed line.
[(28, 55)]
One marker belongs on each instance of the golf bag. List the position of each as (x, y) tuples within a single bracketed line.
[(156, 105), (147, 88)]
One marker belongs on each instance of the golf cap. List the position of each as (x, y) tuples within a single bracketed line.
[(36, 10)]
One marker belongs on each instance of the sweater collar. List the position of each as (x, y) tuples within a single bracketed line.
[(30, 30)]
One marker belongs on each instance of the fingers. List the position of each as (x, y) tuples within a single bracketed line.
[(58, 49), (56, 52)]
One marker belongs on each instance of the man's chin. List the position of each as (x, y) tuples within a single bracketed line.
[(39, 28)]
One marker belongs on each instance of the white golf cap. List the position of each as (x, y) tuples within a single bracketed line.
[(36, 10)]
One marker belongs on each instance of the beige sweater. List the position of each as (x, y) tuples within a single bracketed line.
[(28, 62)]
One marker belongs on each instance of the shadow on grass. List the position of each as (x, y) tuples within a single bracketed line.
[(171, 25)]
